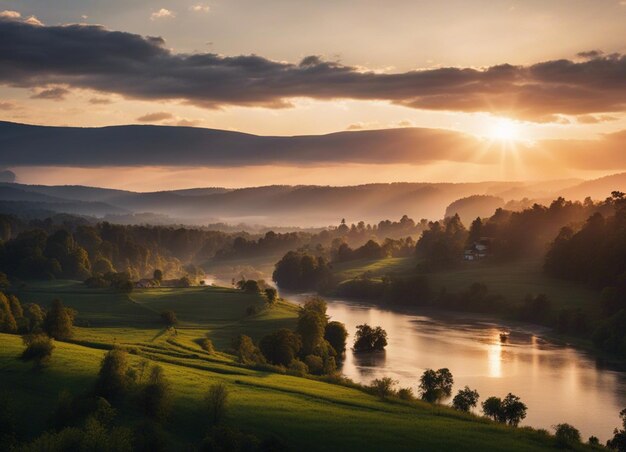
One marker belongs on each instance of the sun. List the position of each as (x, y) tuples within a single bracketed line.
[(504, 130)]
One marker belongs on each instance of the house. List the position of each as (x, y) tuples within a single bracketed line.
[(146, 283), (478, 250)]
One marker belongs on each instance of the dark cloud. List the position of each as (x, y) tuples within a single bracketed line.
[(88, 56), (51, 94), (590, 54), (155, 117), (198, 147), (100, 101)]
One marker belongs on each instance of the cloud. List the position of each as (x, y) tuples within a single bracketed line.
[(155, 117), (142, 67), (356, 126), (590, 54), (187, 122), (7, 105), (162, 14), (100, 101), (200, 8), (10, 14), (594, 119), (51, 94)]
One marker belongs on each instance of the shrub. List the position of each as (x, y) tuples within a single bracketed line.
[(38, 350), (216, 401), (298, 368), (566, 435), (207, 345), (406, 394), (383, 387), (169, 318), (150, 437), (315, 364), (228, 439)]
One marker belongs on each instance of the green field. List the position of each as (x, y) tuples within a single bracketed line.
[(377, 268), (513, 280), (307, 414)]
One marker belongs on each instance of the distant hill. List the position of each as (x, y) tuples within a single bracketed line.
[(303, 205), (597, 188), (474, 206)]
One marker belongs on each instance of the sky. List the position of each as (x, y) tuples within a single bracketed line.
[(547, 75)]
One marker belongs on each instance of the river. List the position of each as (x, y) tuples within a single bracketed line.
[(558, 383)]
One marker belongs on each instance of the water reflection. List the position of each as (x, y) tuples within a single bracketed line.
[(368, 363), (494, 358), (557, 383)]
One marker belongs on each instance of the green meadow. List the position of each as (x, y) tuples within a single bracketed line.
[(512, 280), (305, 413)]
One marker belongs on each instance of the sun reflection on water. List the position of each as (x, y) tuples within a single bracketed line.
[(494, 356)]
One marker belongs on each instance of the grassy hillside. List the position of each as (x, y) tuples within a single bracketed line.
[(513, 280), (297, 410), (375, 267)]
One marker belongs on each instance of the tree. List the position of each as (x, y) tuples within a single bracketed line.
[(310, 327), (368, 339), (249, 286), (301, 271), (618, 442), (155, 395), (271, 295), (281, 347), (38, 350), (59, 321), (7, 320), (492, 407), (566, 435), (383, 387), (169, 318), (465, 400), (435, 385), (158, 275), (314, 364), (34, 316), (16, 308), (336, 335), (246, 351), (113, 378), (216, 400), (511, 410), (514, 410)]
